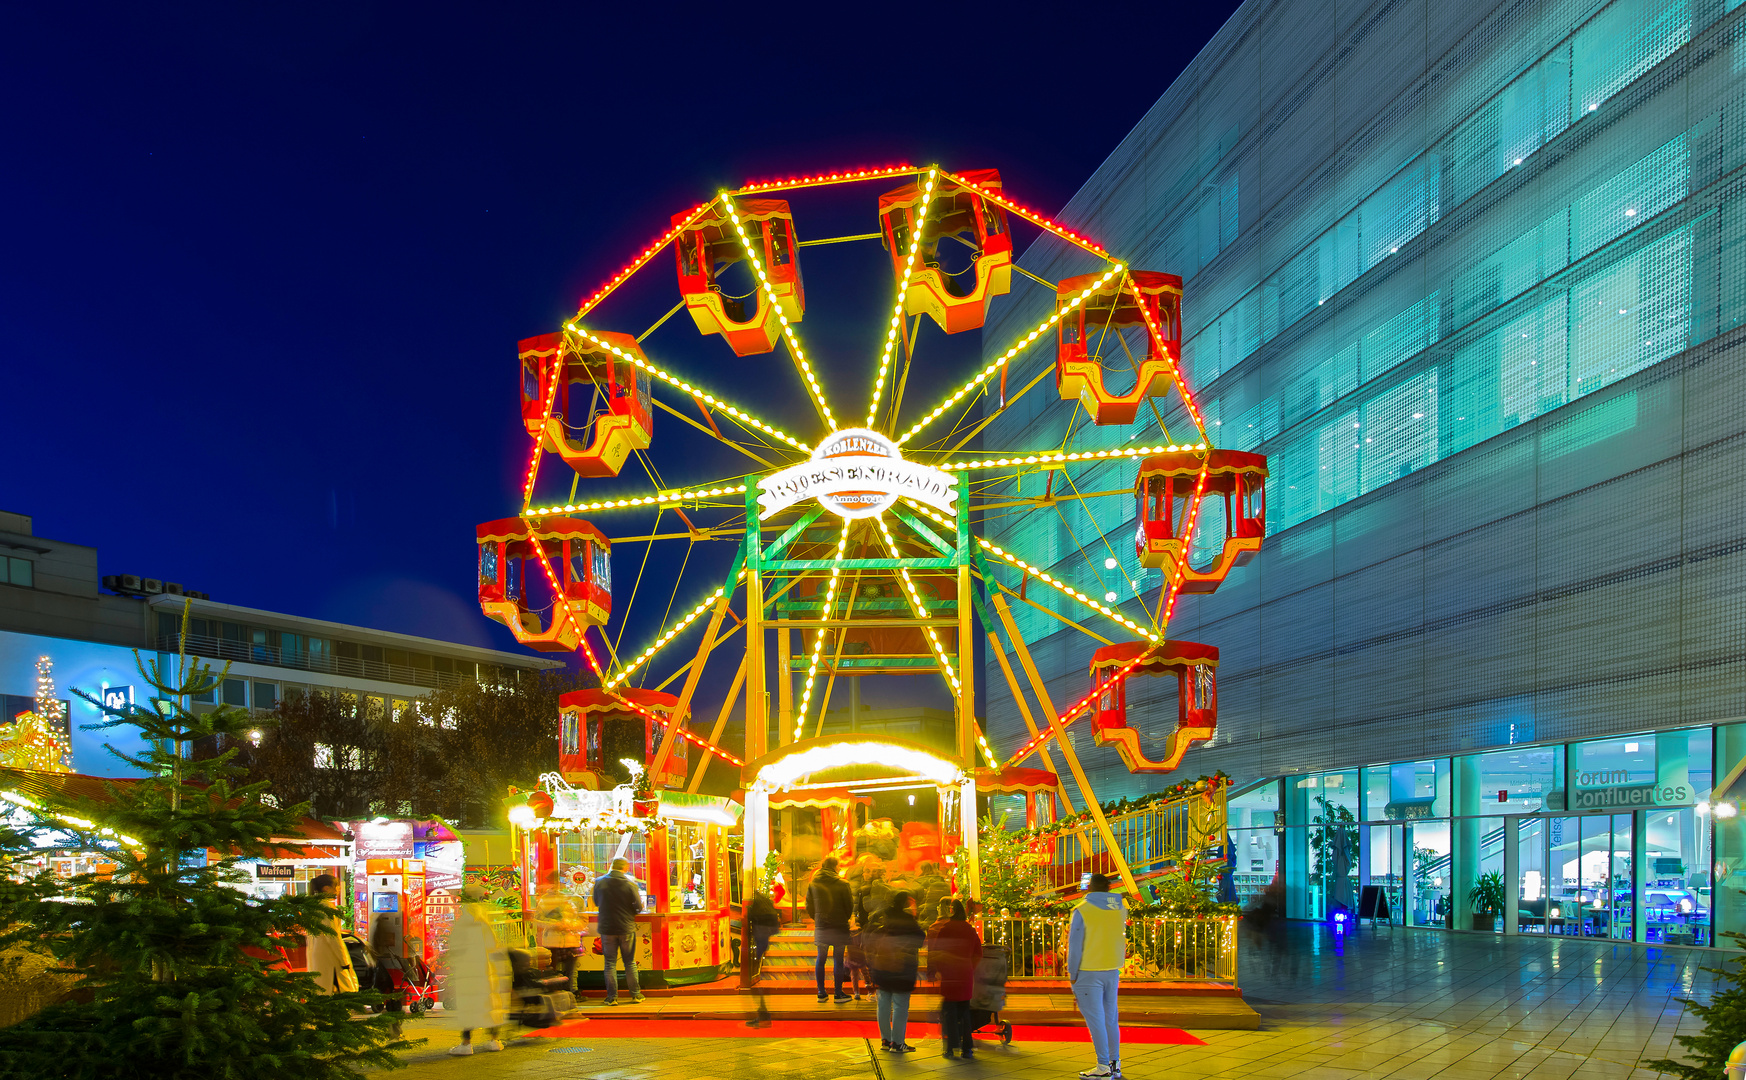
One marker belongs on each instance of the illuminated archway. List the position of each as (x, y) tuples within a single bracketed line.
[(897, 759)]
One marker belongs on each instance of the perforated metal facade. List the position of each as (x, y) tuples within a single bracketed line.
[(1471, 277)]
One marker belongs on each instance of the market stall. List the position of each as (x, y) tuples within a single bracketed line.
[(676, 845)]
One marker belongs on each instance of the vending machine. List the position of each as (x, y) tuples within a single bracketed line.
[(394, 889)]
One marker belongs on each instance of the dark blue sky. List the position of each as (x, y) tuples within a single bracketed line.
[(264, 266)]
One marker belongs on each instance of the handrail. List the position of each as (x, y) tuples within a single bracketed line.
[(1159, 948)]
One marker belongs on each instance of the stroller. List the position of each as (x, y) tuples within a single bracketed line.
[(540, 994), (988, 994)]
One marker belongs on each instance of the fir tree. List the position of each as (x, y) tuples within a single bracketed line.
[(168, 987), (1724, 1024), (1012, 874)]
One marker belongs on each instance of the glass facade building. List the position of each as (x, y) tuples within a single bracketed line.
[(1471, 277)]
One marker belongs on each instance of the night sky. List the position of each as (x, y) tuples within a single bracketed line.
[(265, 266)]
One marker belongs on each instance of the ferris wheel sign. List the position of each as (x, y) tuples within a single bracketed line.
[(856, 473)]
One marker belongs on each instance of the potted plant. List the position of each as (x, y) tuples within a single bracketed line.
[(1487, 898)]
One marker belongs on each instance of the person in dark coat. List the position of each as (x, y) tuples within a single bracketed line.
[(830, 901), (930, 890), (954, 950), (893, 940), (765, 920), (619, 902)]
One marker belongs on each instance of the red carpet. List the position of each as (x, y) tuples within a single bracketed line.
[(628, 1028)]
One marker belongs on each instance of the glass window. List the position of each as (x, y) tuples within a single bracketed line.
[(1254, 862), (1255, 807), (1635, 772), (1675, 883), (236, 692), (1007, 808), (1429, 873), (266, 695), (1510, 781), (1407, 790), (21, 572), (1480, 892)]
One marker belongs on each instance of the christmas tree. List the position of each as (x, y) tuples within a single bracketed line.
[(1724, 1024), (173, 983), (37, 740), (1012, 874)]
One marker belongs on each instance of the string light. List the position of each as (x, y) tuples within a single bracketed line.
[(821, 633), (1054, 457), (34, 740), (1023, 343), (1077, 709), (660, 498), (641, 260), (894, 334), (847, 176), (1029, 215), (1046, 578), (1157, 333), (677, 629), (920, 609), (770, 297), (1187, 544), (681, 384), (1049, 579)]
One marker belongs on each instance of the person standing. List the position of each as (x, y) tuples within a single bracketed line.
[(559, 924), (765, 920), (328, 959), (1097, 946), (477, 988), (894, 953), (829, 901), (954, 950), (619, 902)]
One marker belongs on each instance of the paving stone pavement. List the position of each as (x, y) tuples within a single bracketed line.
[(1380, 1003)]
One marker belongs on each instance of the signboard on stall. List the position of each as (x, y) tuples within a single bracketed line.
[(275, 872), (383, 840), (443, 862)]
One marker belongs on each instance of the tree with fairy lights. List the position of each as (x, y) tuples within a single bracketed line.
[(170, 954), (37, 740)]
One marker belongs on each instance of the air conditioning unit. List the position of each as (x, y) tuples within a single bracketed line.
[(112, 582), (197, 595), (151, 585), (174, 588), (129, 582)]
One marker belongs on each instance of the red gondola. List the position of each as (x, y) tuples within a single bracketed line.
[(594, 727), (957, 301), (580, 557), (601, 411), (1196, 669), (1165, 490), (750, 323), (1089, 335)]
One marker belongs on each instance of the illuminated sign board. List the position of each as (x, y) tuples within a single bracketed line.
[(856, 473)]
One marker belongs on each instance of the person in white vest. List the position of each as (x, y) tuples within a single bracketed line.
[(1097, 945)]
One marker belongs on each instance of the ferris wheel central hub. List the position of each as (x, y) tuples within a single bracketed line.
[(856, 473)]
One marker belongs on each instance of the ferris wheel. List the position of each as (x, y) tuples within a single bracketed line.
[(862, 538)]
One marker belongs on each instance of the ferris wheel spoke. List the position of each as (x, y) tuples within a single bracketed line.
[(641, 260), (1048, 579), (819, 635), (897, 334), (672, 497), (714, 433), (789, 337), (1005, 358), (919, 608), (675, 381)]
